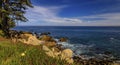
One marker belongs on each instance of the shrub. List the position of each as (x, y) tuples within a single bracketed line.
[(1, 33)]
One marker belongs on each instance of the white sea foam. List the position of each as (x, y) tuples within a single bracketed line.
[(111, 38), (77, 48)]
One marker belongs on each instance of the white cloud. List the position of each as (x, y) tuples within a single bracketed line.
[(47, 15), (106, 19), (104, 15)]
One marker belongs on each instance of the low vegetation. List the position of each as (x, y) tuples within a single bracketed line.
[(21, 54), (24, 54)]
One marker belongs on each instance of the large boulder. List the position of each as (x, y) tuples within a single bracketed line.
[(116, 63), (67, 55), (63, 39), (25, 36), (50, 44), (56, 53), (30, 39), (50, 52), (45, 48), (46, 38), (34, 41), (49, 41)]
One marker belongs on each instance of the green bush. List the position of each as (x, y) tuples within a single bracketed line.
[(1, 33)]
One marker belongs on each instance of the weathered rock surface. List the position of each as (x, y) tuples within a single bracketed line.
[(30, 39), (67, 55), (48, 41), (63, 39), (64, 55), (116, 63), (51, 53), (56, 51), (46, 38), (50, 44)]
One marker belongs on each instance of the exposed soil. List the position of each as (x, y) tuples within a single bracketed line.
[(3, 39)]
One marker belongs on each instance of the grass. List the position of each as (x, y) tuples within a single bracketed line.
[(22, 54), (1, 33)]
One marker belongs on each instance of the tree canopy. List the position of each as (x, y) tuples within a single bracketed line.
[(12, 11)]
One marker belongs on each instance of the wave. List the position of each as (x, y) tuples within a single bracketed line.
[(76, 48)]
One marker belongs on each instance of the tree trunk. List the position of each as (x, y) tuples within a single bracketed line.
[(5, 27), (4, 19), (0, 12)]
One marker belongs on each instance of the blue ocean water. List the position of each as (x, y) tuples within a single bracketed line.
[(84, 39)]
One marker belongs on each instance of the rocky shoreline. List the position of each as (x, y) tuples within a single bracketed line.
[(53, 49)]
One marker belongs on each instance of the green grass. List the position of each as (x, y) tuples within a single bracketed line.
[(1, 33), (10, 54)]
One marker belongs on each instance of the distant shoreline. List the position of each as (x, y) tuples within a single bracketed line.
[(68, 26)]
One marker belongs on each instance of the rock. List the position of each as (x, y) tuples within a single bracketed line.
[(51, 53), (24, 32), (46, 38), (34, 41), (28, 35), (31, 40), (48, 51), (50, 44), (45, 33), (67, 55), (116, 63), (63, 39), (107, 52), (45, 48), (55, 49), (55, 53), (25, 36), (69, 60), (59, 46)]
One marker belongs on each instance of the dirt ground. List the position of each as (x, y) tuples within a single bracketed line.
[(3, 39)]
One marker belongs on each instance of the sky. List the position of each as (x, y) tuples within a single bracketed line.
[(73, 13)]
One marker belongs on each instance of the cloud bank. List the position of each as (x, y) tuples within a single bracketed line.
[(48, 16), (106, 19)]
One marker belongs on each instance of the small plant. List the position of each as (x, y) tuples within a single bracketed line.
[(1, 33)]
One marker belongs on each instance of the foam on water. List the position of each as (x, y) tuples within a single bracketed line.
[(83, 51), (77, 48), (83, 40)]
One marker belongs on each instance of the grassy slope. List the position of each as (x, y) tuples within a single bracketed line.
[(10, 54)]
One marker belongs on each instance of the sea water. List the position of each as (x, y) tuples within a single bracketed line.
[(83, 40)]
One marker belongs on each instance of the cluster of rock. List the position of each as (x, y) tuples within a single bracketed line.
[(52, 49), (50, 46), (95, 61), (65, 54)]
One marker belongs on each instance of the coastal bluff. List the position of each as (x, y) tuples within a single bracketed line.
[(53, 49), (49, 46)]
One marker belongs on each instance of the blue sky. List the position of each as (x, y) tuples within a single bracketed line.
[(74, 13)]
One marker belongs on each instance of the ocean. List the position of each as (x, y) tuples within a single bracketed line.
[(83, 40)]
